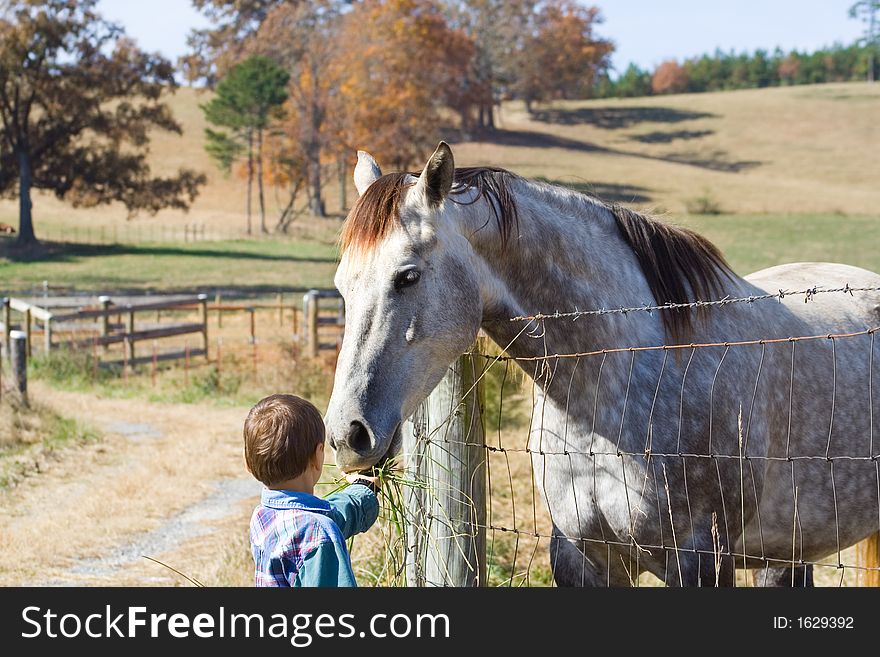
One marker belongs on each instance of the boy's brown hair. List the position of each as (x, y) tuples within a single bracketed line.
[(281, 434)]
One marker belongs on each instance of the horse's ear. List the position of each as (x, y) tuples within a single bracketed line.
[(435, 182), (366, 172)]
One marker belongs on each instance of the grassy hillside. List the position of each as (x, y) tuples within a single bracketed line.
[(810, 149), (791, 170), (792, 149)]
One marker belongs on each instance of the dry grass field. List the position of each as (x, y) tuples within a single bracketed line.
[(810, 149)]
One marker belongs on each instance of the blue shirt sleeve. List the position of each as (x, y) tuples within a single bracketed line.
[(354, 509), (328, 565)]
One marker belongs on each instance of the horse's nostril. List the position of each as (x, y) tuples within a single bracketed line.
[(358, 438)]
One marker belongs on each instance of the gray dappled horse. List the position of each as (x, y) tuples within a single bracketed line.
[(427, 260)]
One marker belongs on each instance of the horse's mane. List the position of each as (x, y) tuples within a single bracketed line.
[(680, 265)]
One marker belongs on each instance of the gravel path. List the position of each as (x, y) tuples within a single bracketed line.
[(165, 480)]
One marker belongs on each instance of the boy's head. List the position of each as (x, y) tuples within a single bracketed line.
[(283, 438)]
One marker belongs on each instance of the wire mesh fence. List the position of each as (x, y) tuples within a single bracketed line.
[(721, 462)]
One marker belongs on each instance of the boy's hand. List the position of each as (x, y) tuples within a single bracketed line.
[(352, 477)]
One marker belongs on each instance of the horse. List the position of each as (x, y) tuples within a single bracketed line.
[(687, 463)]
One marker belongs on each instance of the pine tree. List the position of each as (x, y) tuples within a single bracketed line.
[(247, 99)]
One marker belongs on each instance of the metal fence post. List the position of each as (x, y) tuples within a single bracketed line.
[(18, 356), (444, 450)]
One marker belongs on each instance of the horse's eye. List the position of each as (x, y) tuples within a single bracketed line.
[(406, 278)]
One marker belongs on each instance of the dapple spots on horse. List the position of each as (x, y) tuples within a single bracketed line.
[(477, 267)]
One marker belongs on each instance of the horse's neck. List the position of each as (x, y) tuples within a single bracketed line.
[(567, 254)]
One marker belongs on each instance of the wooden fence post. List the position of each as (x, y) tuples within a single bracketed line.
[(281, 309), (105, 319), (869, 557), (28, 329), (129, 329), (203, 302), (47, 333), (7, 326), (310, 326), (444, 450), (18, 358)]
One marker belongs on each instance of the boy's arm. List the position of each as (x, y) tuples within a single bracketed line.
[(326, 566), (354, 509)]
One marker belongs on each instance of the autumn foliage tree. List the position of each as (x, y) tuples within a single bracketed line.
[(403, 66), (498, 30), (564, 57), (78, 102), (234, 25), (669, 78), (395, 75), (304, 39)]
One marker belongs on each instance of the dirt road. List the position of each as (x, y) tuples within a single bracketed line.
[(165, 481)]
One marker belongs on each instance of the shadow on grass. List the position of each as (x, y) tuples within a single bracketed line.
[(605, 191), (715, 161), (669, 137), (614, 118), (66, 252)]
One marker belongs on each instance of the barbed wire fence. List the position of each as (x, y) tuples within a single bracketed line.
[(481, 464)]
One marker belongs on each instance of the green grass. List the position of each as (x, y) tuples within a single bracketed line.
[(753, 242), (234, 384), (29, 434), (250, 265), (750, 242)]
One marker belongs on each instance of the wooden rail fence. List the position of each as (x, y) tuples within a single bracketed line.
[(105, 333)]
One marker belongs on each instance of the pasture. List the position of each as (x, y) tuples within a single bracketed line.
[(786, 174)]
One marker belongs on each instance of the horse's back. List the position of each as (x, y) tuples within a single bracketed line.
[(821, 433), (825, 312)]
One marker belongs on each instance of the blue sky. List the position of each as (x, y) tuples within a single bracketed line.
[(646, 32)]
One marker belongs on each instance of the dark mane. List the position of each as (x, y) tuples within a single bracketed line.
[(680, 265), (374, 213)]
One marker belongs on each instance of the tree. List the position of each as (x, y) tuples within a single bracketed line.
[(669, 78), (248, 97), (634, 82), (788, 69), (77, 103), (303, 37), (402, 64), (497, 30), (563, 58), (869, 12), (217, 49)]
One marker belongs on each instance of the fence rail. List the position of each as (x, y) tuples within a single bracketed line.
[(106, 333)]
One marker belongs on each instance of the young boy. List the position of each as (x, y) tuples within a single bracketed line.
[(298, 539)]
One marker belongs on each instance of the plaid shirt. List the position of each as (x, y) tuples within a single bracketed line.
[(298, 539)]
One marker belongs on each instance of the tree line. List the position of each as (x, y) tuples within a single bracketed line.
[(725, 71)]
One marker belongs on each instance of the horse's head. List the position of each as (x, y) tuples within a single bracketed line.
[(412, 300)]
